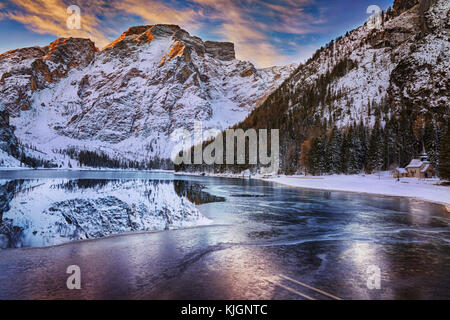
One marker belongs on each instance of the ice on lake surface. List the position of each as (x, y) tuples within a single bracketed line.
[(226, 237)]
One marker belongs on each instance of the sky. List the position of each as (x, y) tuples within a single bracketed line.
[(265, 32)]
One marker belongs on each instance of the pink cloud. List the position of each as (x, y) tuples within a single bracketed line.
[(233, 21)]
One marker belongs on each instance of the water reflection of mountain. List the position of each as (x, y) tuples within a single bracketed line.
[(51, 211), (72, 185), (7, 191), (8, 232), (194, 192)]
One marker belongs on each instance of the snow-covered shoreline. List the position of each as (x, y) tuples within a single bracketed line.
[(86, 169), (385, 185)]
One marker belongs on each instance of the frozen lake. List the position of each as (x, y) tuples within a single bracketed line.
[(143, 235)]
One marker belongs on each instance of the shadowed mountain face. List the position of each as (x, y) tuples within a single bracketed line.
[(8, 141), (129, 97)]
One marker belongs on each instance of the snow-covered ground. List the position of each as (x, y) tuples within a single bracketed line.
[(383, 184), (7, 161)]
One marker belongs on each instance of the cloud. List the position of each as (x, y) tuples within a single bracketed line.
[(235, 26), (50, 17), (154, 12), (253, 37), (253, 25)]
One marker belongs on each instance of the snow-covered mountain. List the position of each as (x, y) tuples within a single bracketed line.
[(126, 99), (406, 57)]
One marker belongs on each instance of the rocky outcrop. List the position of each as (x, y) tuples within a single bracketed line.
[(141, 35), (401, 6), (24, 71), (220, 50), (8, 141), (71, 52)]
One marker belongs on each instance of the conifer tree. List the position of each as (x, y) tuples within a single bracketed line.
[(317, 156), (375, 158), (431, 141), (333, 152), (444, 157), (355, 160)]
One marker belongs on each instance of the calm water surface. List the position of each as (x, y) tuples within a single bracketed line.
[(261, 232)]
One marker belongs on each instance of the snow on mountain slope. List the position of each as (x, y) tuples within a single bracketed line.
[(381, 56), (8, 161), (126, 99)]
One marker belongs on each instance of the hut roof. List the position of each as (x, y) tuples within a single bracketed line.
[(415, 163)]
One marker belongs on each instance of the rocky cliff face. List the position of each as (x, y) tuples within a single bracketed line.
[(401, 6), (24, 71), (420, 77), (129, 97), (8, 141)]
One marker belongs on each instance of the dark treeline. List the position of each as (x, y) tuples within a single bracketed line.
[(356, 148), (311, 142), (35, 162), (30, 160), (353, 149), (102, 160)]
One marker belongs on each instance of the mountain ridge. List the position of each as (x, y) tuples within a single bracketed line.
[(127, 98)]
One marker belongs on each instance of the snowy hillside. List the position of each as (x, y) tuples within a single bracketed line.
[(126, 99), (369, 100), (379, 55)]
